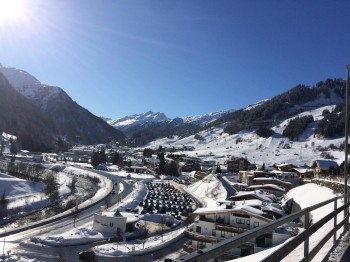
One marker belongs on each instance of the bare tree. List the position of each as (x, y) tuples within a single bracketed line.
[(146, 227)]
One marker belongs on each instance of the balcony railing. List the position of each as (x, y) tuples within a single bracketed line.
[(216, 250), (229, 228)]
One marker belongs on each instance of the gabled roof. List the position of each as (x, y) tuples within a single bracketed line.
[(303, 170), (265, 197), (325, 164), (270, 186)]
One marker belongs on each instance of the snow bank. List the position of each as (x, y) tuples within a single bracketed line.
[(77, 236), (209, 190)]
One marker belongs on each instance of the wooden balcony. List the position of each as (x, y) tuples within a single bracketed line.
[(231, 229), (203, 238)]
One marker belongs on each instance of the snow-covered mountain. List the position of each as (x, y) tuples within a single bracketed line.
[(30, 87), (151, 117), (50, 113), (143, 128), (137, 119), (206, 119)]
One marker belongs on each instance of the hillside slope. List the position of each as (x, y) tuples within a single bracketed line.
[(64, 117), (21, 118)]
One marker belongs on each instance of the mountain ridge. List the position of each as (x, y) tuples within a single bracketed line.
[(64, 117)]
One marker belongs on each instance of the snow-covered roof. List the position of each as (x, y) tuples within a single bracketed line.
[(281, 172), (241, 209), (130, 218), (303, 170), (273, 209), (257, 194), (272, 186), (325, 164), (250, 202), (270, 179)]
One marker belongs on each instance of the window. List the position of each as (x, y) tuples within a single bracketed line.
[(200, 245), (213, 232), (198, 229), (240, 221), (111, 224), (256, 224), (248, 222), (222, 233)]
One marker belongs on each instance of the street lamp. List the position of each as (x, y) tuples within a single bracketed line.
[(346, 211)]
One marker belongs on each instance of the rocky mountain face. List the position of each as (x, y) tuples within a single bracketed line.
[(62, 117), (21, 118), (143, 128)]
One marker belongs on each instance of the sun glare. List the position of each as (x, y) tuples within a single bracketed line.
[(11, 10)]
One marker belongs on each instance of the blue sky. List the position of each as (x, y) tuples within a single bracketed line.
[(182, 58)]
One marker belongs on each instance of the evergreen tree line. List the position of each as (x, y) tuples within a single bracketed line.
[(333, 123), (100, 157), (264, 132), (170, 168), (296, 126), (280, 107)]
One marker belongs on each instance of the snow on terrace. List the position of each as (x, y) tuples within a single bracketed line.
[(305, 196)]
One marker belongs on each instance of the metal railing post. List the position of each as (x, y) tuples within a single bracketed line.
[(307, 228), (346, 211), (335, 220)]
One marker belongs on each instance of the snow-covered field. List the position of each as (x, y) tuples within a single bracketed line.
[(219, 146), (28, 195)]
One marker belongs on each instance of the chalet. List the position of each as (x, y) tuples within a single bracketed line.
[(271, 180), (207, 165), (325, 168), (247, 195), (283, 167), (216, 224), (291, 177), (138, 169), (238, 164), (270, 189), (248, 176), (71, 156), (200, 175), (304, 172)]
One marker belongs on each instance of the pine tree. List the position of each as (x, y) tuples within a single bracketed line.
[(161, 167), (102, 156), (173, 169), (94, 159)]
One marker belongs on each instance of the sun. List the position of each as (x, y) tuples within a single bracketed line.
[(11, 10)]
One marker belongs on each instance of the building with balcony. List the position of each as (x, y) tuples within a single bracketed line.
[(215, 224)]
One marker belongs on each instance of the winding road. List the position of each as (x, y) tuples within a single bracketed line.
[(19, 242)]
